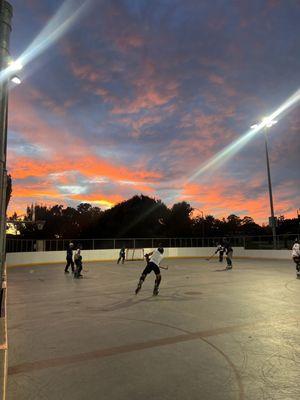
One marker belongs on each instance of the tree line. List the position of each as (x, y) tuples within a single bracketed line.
[(140, 217)]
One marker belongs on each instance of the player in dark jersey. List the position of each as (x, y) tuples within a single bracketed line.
[(229, 253), (69, 258), (121, 255)]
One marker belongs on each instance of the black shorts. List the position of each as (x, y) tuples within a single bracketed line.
[(151, 267)]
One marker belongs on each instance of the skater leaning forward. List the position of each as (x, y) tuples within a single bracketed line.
[(296, 256), (153, 264)]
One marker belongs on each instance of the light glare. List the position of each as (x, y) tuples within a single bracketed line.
[(230, 150), (15, 65), (16, 80), (269, 122), (62, 21)]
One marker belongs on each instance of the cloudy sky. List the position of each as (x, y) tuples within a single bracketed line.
[(138, 94)]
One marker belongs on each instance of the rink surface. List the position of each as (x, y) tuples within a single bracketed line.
[(209, 335)]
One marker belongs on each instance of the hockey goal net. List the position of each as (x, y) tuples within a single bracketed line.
[(134, 254)]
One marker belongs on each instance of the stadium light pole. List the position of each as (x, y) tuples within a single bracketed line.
[(268, 124), (6, 13)]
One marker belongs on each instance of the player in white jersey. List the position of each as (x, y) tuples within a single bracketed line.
[(220, 250), (152, 265), (296, 256)]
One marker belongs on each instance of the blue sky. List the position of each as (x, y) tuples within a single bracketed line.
[(138, 94)]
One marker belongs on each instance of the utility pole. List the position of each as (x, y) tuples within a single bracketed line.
[(6, 13)]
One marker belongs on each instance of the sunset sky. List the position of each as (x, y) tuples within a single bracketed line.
[(138, 94)]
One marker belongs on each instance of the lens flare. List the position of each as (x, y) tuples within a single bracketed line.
[(15, 66), (230, 150), (59, 24)]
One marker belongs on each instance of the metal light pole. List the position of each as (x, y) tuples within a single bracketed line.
[(268, 124), (273, 221), (6, 13)]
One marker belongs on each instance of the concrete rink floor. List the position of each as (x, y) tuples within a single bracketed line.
[(209, 335)]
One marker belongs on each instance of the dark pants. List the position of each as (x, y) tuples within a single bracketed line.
[(229, 259), (122, 257), (149, 268), (78, 270), (297, 262), (70, 262), (221, 253)]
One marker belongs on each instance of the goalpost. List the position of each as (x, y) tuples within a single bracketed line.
[(134, 254)]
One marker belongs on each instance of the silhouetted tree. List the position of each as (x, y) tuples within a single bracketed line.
[(249, 227), (136, 217), (141, 216), (88, 220), (179, 222), (233, 224)]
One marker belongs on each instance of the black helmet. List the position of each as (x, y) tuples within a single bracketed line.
[(161, 250)]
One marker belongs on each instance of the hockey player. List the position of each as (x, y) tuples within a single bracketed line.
[(78, 263), (152, 265), (147, 257), (296, 256), (69, 258), (229, 252), (220, 250), (121, 255)]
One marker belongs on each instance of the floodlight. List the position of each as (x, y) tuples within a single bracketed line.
[(269, 122), (15, 79)]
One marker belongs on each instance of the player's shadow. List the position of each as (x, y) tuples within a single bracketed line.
[(221, 270), (132, 301)]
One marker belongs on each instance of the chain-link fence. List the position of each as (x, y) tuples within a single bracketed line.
[(14, 245)]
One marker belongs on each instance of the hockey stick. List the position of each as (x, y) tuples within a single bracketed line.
[(209, 258), (166, 267)]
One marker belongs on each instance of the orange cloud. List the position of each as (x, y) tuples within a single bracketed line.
[(220, 200), (146, 98)]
